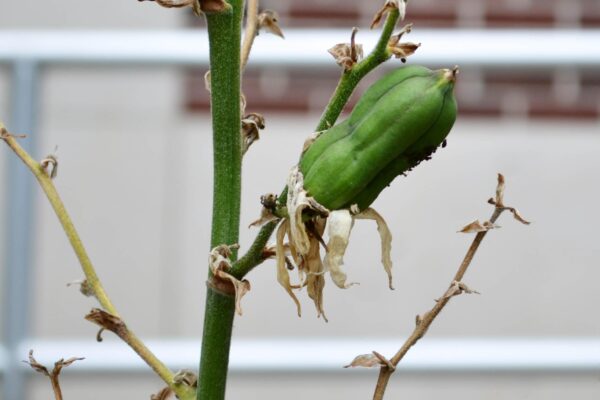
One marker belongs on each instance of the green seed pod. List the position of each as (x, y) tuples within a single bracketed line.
[(362, 107), (399, 121)]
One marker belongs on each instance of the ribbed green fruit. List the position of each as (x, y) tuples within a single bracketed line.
[(398, 122)]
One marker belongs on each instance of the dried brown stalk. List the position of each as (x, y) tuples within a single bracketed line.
[(456, 287), (52, 375)]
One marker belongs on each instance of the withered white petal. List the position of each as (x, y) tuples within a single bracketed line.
[(386, 239), (339, 225)]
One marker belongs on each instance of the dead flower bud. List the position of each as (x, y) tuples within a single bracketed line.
[(347, 54), (251, 124), (400, 5), (499, 201), (107, 321), (269, 21), (185, 377), (220, 264), (84, 287), (402, 50), (267, 214), (50, 165)]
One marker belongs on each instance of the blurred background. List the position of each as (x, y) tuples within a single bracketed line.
[(116, 90)]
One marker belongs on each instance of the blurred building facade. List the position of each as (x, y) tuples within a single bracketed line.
[(572, 93)]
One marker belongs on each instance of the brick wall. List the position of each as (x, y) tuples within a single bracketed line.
[(554, 93)]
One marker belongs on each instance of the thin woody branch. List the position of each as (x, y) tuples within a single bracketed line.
[(52, 375), (92, 283), (424, 321)]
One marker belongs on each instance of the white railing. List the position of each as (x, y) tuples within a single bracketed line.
[(327, 355), (486, 48)]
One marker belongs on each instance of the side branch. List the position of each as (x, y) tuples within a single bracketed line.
[(92, 282), (424, 321)]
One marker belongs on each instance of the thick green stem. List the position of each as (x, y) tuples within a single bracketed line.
[(351, 78), (224, 32), (216, 342)]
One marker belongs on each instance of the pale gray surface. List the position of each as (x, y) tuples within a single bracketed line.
[(107, 14), (139, 194)]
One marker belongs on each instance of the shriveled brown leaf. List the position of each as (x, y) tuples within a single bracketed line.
[(365, 361), (213, 6), (297, 202), (219, 258), (402, 50), (107, 321), (50, 165), (457, 288), (518, 216), (389, 5), (251, 124), (162, 394), (269, 21), (386, 240), (185, 377), (347, 55), (283, 275), (266, 216), (477, 226), (315, 281), (220, 264)]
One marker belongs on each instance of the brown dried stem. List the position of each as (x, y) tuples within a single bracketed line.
[(251, 31), (53, 376), (92, 282), (425, 320)]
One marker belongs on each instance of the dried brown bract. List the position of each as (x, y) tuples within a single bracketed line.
[(269, 21), (107, 321), (402, 50), (50, 165), (476, 226), (84, 287), (347, 55), (251, 125), (400, 5), (58, 366), (220, 264)]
